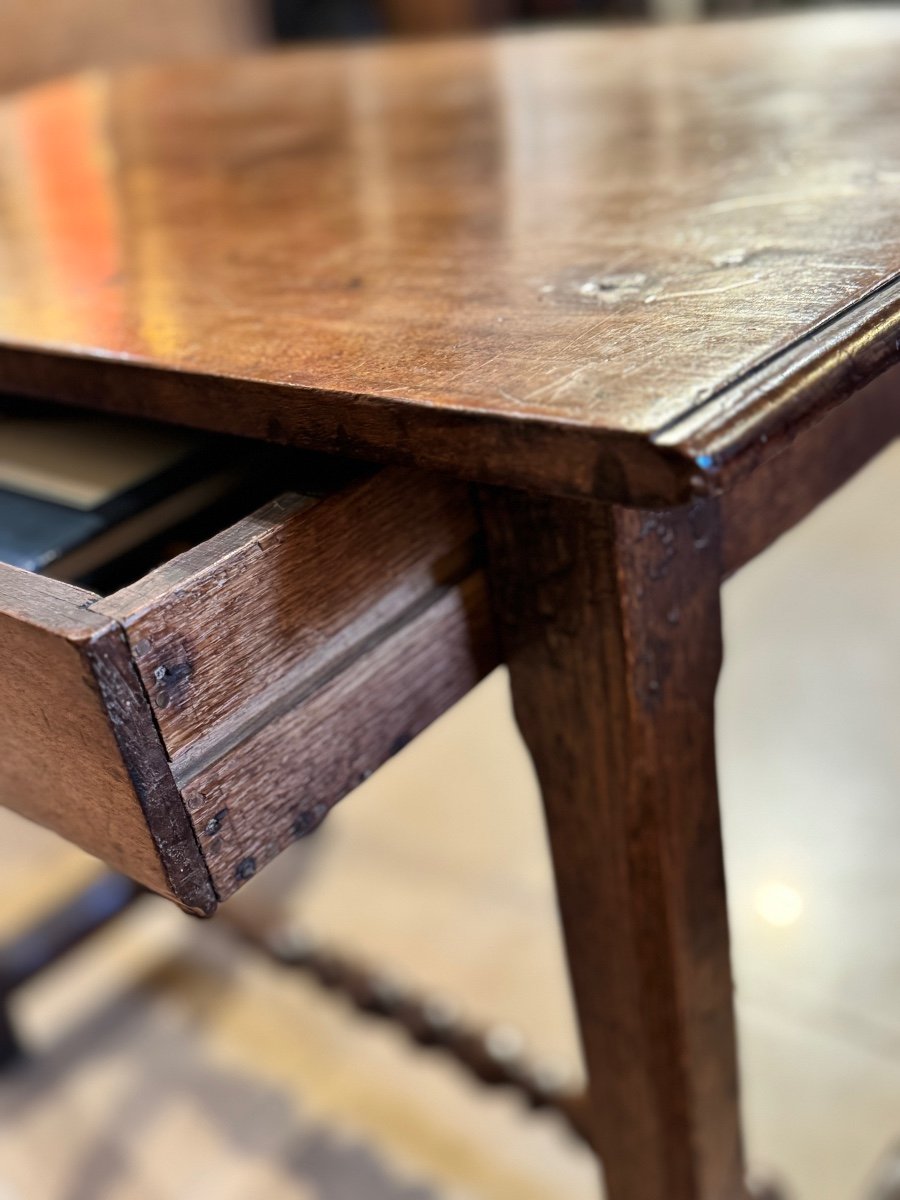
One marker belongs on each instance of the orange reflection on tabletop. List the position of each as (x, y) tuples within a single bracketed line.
[(63, 182)]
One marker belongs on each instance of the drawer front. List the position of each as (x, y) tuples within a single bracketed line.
[(259, 677), (79, 752)]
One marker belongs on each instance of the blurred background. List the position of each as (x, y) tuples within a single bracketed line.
[(46, 37), (170, 1063)]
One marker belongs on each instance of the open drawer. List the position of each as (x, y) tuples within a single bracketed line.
[(188, 727)]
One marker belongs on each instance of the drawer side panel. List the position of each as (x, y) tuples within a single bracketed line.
[(298, 586), (280, 784)]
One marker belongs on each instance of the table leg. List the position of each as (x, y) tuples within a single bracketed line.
[(611, 627)]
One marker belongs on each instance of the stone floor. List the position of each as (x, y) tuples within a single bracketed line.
[(172, 1065)]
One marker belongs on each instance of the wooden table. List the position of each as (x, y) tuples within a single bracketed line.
[(641, 287)]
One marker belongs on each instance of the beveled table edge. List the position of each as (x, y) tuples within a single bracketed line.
[(705, 452)]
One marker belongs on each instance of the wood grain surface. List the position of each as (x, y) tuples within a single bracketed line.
[(280, 784), (257, 678), (286, 658), (773, 499), (230, 629), (78, 749), (619, 263), (610, 624)]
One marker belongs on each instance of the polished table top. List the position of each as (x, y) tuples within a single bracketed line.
[(610, 262)]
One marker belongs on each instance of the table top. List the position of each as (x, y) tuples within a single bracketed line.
[(606, 262)]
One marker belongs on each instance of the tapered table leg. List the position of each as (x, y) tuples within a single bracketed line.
[(611, 627)]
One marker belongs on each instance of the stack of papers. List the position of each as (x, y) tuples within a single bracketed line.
[(76, 492)]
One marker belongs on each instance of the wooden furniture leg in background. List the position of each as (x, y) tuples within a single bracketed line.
[(611, 628)]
